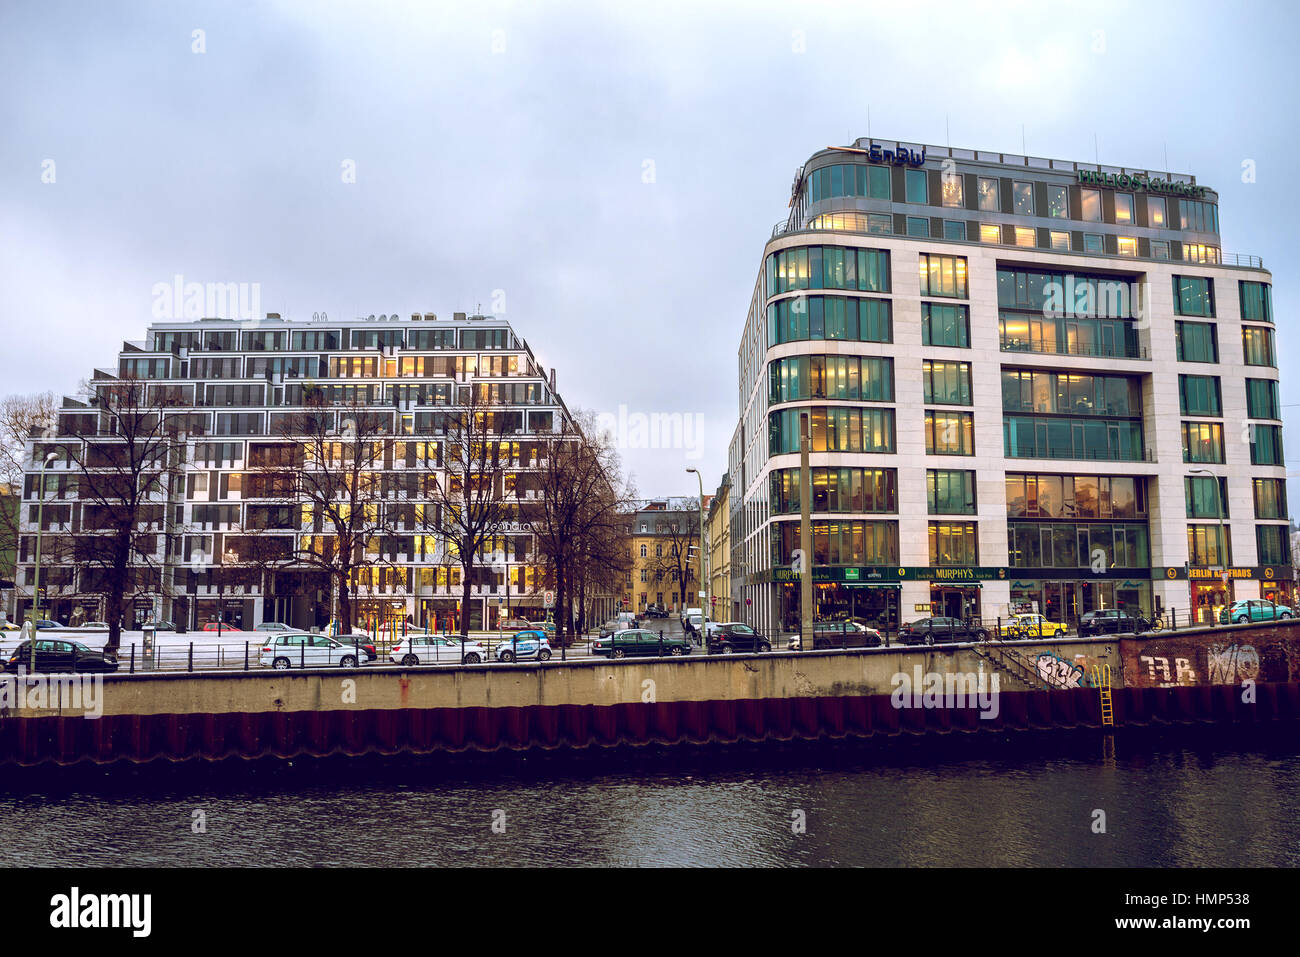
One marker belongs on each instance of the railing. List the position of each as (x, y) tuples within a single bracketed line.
[(1026, 345), (1087, 455)]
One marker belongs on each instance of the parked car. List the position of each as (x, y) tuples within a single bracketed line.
[(294, 650), (162, 625), (432, 649), (1034, 626), (1253, 609), (93, 626), (220, 626), (60, 655), (732, 636), (656, 611), (48, 623), (938, 628), (1108, 621), (272, 626), (524, 644), (639, 641), (7, 625), (838, 634)]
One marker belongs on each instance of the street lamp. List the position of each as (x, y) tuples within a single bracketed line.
[(704, 616), (1223, 529), (36, 577)]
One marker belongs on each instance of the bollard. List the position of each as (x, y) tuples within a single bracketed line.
[(1173, 619), (356, 649), (661, 642), (190, 666), (302, 654), (245, 655), (132, 659)]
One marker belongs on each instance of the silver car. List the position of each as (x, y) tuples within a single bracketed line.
[(434, 649), (300, 650)]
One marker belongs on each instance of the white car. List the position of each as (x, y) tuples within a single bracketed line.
[(299, 650), (433, 649)]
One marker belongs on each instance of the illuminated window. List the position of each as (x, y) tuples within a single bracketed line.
[(1128, 246), (1058, 202), (988, 193), (1025, 236), (1123, 207), (1060, 240), (989, 233), (1200, 253), (1022, 195), (952, 190), (943, 276), (1155, 210), (1091, 200)]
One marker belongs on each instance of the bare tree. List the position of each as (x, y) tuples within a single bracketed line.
[(465, 483), (330, 466), (581, 513), (21, 417), (680, 537), (122, 465)]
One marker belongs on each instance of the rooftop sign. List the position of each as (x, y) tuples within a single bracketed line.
[(1139, 183)]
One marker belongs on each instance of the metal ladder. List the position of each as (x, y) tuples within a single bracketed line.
[(1101, 678)]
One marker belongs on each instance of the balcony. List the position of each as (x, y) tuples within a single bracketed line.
[(1086, 350)]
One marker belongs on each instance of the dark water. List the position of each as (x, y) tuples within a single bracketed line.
[(1194, 798)]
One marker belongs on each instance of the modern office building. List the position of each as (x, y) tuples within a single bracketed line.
[(1030, 383), (233, 386)]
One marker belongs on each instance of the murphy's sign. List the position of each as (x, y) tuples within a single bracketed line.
[(1139, 182)]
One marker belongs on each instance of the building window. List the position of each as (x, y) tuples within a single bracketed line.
[(881, 223), (954, 229), (988, 194), (1193, 296), (1209, 545), (952, 190), (829, 317), (1200, 253), (1060, 240), (1159, 249), (1127, 245), (949, 433), (1058, 202), (1026, 236), (954, 543), (1202, 442), (1196, 341), (832, 429), (1091, 203), (1207, 496), (1257, 342), (943, 276), (837, 490), (1199, 395), (858, 378), (1124, 208), (1200, 217), (918, 226), (1093, 243), (1256, 301), (950, 491), (1022, 196), (643, 548), (1265, 444), (946, 383), (1273, 544), (1270, 498), (943, 325), (990, 233), (917, 186), (1261, 399), (1156, 211)]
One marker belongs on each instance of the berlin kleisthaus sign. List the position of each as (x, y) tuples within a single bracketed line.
[(1139, 182)]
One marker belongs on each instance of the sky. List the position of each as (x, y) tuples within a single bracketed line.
[(602, 175)]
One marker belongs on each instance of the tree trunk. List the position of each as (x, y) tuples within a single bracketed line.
[(345, 605), (561, 616), (465, 599)]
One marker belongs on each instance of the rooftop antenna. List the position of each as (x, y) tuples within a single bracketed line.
[(1023, 149), (1096, 149), (868, 121), (946, 134), (1166, 157)]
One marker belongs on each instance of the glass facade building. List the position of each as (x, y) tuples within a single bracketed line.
[(1025, 392)]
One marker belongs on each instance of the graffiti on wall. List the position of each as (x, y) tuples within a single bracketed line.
[(1231, 664), (1220, 656), (1059, 673)]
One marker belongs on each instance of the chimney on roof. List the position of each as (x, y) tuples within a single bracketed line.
[(552, 380)]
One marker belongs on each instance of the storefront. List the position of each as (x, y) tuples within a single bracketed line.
[(876, 603), (1068, 601), (951, 600), (1211, 590)]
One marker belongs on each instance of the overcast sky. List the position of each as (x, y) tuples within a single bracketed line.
[(502, 152)]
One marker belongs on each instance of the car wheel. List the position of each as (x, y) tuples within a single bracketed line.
[(281, 664), (929, 639), (545, 654), (347, 661), (410, 660), (727, 650), (506, 656), (1242, 620), (472, 658), (981, 635), (764, 646), (618, 652), (1283, 615), (677, 650)]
